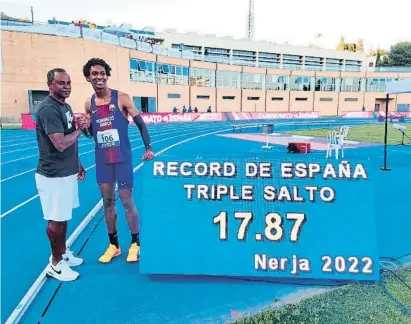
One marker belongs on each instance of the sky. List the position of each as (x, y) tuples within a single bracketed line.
[(379, 23)]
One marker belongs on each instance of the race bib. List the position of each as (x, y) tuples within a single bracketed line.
[(108, 138)]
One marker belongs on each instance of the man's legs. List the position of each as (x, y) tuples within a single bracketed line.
[(56, 232), (126, 197), (108, 192), (125, 180), (56, 196)]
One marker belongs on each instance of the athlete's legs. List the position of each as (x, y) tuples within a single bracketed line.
[(110, 214), (106, 184), (126, 197), (124, 177)]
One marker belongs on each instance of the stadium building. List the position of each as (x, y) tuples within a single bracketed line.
[(161, 71)]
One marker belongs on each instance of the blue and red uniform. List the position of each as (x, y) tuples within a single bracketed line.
[(113, 148)]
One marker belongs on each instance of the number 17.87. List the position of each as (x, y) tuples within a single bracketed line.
[(273, 228)]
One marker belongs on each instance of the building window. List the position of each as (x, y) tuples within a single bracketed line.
[(253, 81), (377, 85), (172, 74), (202, 78), (350, 85), (203, 97), (403, 107), (228, 80), (174, 96), (301, 99), (326, 99), (142, 71), (253, 98), (351, 99), (325, 84), (300, 83), (277, 82), (228, 97), (277, 99)]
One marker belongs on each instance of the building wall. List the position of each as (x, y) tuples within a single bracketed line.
[(27, 57)]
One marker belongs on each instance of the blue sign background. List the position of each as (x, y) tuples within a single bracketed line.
[(178, 235)]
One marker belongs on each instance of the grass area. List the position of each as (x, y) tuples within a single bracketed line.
[(354, 304), (364, 133)]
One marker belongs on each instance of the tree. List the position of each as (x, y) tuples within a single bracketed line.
[(341, 45), (400, 54), (360, 45)]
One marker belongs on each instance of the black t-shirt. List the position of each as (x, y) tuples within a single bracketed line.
[(55, 117)]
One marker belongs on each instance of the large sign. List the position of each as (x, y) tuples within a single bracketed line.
[(273, 115), (161, 118), (258, 217), (394, 116), (357, 114)]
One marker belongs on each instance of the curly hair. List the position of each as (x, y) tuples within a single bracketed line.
[(95, 61)]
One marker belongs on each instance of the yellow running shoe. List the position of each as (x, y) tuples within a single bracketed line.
[(110, 253), (133, 253)]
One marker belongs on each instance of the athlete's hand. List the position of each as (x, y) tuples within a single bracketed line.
[(149, 155), (83, 122), (81, 173)]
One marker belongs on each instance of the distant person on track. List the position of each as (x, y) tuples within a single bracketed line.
[(59, 170), (108, 110)]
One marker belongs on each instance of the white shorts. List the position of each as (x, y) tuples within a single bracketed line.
[(58, 196)]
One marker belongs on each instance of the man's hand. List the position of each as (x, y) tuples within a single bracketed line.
[(81, 173), (149, 155), (83, 122)]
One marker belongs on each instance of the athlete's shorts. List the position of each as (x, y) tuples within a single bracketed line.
[(58, 196), (122, 173)]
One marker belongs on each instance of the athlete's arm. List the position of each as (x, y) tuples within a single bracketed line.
[(127, 103), (54, 128)]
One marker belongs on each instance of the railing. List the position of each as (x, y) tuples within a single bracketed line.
[(404, 69), (100, 36)]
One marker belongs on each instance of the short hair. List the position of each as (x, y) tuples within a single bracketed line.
[(51, 73), (96, 61)]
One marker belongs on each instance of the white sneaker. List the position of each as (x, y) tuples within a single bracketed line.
[(61, 271), (70, 259)]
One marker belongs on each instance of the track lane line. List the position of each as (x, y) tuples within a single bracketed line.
[(159, 135), (133, 134), (33, 291), (89, 167)]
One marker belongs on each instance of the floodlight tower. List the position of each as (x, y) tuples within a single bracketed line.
[(250, 26)]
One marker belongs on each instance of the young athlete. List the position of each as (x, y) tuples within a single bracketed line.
[(109, 110)]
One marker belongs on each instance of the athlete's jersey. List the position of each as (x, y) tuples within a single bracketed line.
[(110, 131)]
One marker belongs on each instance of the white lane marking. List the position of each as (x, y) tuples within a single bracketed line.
[(91, 166), (131, 134), (165, 139), (28, 298)]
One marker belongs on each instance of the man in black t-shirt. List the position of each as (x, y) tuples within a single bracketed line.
[(59, 170)]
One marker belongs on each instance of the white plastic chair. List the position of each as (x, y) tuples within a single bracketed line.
[(333, 143), (342, 138)]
